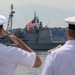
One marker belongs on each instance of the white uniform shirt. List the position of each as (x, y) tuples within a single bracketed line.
[(10, 57), (61, 61)]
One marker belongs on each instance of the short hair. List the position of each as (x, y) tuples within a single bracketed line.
[(72, 33), (1, 26)]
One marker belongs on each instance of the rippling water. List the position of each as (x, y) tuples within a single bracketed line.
[(24, 70)]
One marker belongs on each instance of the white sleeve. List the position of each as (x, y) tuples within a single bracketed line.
[(47, 69), (22, 57), (27, 59)]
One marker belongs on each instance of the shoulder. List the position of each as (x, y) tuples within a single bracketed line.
[(57, 52), (55, 48), (12, 49)]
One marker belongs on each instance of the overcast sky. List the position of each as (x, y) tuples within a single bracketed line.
[(50, 12)]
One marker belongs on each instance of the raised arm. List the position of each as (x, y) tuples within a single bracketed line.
[(23, 46)]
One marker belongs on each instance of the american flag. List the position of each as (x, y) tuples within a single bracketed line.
[(31, 24)]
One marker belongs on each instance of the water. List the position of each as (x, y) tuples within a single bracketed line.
[(24, 70)]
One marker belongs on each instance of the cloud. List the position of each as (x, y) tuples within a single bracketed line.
[(64, 4), (50, 11)]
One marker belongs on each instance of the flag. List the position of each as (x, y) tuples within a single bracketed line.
[(31, 24)]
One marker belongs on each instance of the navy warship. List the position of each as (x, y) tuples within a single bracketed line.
[(37, 37)]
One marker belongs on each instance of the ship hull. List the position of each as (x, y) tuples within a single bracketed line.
[(43, 46)]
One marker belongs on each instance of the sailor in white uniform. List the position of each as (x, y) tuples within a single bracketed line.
[(62, 60), (11, 57)]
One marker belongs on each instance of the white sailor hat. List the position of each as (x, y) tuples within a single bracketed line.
[(71, 22), (2, 19)]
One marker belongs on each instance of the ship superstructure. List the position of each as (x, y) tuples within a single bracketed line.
[(37, 36)]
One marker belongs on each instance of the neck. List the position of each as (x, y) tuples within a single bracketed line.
[(71, 38)]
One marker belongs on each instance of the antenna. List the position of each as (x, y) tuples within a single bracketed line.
[(35, 15), (9, 26)]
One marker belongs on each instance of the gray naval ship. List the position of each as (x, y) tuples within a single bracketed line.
[(38, 37)]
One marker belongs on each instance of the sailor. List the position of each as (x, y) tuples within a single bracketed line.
[(62, 60), (11, 57)]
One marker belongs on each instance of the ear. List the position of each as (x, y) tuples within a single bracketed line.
[(67, 32), (0, 31)]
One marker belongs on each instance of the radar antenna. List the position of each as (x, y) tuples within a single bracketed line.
[(9, 25), (35, 15)]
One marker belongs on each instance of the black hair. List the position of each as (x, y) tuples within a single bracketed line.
[(72, 26), (1, 26)]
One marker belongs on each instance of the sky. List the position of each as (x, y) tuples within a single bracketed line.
[(51, 12)]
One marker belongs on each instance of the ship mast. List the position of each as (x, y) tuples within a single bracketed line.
[(36, 19), (9, 26), (35, 15)]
